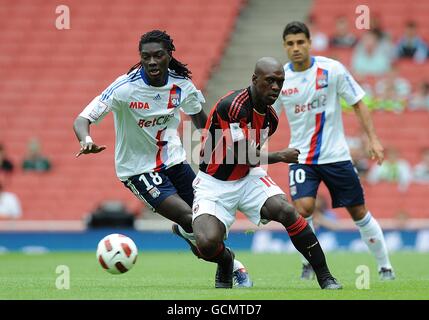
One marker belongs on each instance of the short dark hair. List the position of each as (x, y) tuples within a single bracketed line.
[(296, 27)]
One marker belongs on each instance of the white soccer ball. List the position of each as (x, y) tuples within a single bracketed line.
[(117, 253)]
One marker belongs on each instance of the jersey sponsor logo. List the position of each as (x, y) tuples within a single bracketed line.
[(290, 91), (139, 105), (157, 97), (175, 96), (158, 121), (317, 103), (321, 78)]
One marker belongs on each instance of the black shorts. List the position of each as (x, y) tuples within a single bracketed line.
[(154, 187), (341, 179)]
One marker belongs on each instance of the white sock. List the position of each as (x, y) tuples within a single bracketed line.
[(238, 265), (310, 223), (372, 235)]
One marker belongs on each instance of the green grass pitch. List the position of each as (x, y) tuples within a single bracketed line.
[(178, 275)]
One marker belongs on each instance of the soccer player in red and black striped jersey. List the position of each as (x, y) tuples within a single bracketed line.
[(234, 113), (231, 179)]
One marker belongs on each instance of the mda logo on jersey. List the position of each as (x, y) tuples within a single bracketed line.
[(139, 105), (175, 95), (321, 78)]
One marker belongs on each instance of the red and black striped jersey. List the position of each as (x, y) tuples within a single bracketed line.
[(231, 121)]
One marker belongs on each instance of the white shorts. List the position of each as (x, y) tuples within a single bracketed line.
[(222, 199)]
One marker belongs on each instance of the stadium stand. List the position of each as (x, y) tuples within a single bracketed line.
[(49, 75)]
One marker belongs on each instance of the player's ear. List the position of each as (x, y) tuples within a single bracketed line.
[(254, 78)]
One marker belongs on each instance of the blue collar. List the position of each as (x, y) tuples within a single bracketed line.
[(311, 64), (146, 80)]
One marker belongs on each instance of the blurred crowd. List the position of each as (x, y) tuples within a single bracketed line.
[(34, 161), (374, 59), (395, 168)]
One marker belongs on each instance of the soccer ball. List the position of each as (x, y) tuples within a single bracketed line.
[(117, 253)]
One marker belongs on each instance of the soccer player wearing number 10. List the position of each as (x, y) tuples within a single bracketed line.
[(310, 98), (149, 156)]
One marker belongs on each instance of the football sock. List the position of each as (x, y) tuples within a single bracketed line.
[(310, 223), (372, 235), (305, 241)]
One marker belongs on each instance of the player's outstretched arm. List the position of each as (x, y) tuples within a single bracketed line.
[(81, 129), (376, 150)]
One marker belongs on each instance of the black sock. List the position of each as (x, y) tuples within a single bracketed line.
[(305, 241)]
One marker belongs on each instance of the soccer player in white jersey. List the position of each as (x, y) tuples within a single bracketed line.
[(149, 156), (310, 98)]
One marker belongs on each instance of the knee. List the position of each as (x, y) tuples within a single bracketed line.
[(281, 211), (289, 215), (207, 246), (209, 234)]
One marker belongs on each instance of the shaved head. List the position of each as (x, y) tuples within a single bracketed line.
[(266, 65), (267, 80)]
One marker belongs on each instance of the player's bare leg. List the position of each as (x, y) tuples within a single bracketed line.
[(209, 233), (305, 206), (277, 208), (177, 210), (372, 234)]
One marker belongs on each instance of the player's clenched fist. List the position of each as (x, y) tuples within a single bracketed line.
[(289, 155)]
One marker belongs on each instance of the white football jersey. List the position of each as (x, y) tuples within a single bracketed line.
[(311, 99), (146, 120)]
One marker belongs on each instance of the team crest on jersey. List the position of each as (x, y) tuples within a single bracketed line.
[(175, 96), (154, 192), (321, 78)]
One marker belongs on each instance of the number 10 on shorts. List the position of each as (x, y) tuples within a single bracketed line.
[(296, 176)]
